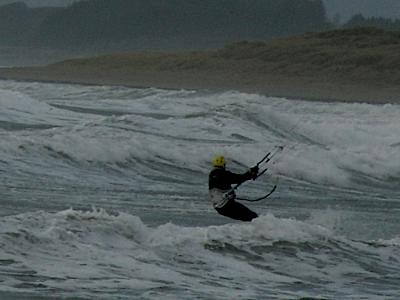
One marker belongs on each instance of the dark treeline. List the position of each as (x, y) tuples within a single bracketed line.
[(158, 24), (382, 23), (19, 24)]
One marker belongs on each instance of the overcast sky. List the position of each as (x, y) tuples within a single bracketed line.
[(344, 8)]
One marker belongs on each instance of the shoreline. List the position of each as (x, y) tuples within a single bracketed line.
[(294, 88), (357, 65)]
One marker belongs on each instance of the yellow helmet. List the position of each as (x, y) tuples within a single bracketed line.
[(218, 161)]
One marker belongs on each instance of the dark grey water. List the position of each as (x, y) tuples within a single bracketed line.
[(104, 195)]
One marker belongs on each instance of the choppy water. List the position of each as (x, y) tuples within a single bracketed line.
[(103, 195)]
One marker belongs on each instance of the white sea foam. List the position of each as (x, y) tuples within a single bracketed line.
[(326, 143), (22, 109), (120, 251), (147, 152)]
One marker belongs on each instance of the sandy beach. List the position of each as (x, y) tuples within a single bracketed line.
[(269, 85)]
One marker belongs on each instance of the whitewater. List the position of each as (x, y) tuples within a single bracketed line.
[(104, 195)]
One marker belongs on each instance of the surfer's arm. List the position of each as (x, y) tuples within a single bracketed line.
[(235, 178)]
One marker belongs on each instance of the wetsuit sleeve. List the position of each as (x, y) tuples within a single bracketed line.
[(222, 179), (235, 178)]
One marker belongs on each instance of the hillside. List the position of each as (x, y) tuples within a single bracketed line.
[(352, 65), (40, 3), (104, 25)]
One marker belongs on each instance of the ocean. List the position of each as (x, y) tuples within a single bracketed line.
[(104, 195)]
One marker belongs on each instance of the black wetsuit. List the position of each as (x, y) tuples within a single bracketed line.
[(221, 179)]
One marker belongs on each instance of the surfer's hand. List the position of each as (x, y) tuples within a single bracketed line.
[(254, 172)]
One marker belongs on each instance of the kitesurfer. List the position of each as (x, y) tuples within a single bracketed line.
[(222, 194)]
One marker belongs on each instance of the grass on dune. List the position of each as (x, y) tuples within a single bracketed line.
[(361, 54)]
